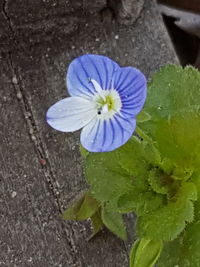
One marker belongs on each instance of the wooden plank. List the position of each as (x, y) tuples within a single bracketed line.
[(38, 66)]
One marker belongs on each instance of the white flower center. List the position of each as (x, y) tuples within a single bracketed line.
[(107, 102)]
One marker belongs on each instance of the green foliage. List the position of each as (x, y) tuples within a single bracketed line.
[(105, 176), (167, 222), (184, 251), (97, 223), (83, 208), (84, 152), (174, 103), (140, 202), (156, 174), (112, 174), (145, 252), (159, 181), (143, 116), (114, 222)]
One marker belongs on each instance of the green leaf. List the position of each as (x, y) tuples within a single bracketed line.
[(180, 173), (89, 207), (168, 221), (112, 174), (145, 252), (84, 152), (184, 251), (122, 174), (73, 209), (159, 181), (97, 223), (107, 179), (174, 104), (114, 222), (140, 202), (81, 209), (143, 116), (151, 154), (167, 166), (133, 158)]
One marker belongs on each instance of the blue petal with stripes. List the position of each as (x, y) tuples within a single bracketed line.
[(87, 67), (107, 135), (131, 86)]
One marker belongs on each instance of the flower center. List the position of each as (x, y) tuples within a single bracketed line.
[(108, 102)]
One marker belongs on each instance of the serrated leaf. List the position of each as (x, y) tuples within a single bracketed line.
[(184, 251), (167, 222), (81, 209), (124, 172), (145, 253), (133, 158), (114, 222), (112, 174), (174, 104), (107, 179), (131, 154)]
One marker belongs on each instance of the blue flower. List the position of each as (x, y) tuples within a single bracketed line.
[(104, 101)]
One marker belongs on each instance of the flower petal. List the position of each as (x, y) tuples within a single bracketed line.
[(70, 114), (107, 135), (87, 67), (131, 85)]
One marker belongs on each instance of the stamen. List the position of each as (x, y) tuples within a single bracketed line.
[(98, 88), (105, 108)]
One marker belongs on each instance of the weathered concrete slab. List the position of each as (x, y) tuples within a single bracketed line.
[(31, 231), (46, 36)]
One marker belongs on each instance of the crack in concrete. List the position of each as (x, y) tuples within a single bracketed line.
[(40, 151), (33, 131)]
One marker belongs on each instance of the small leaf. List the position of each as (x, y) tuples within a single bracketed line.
[(180, 173), (167, 166), (89, 207), (145, 252), (97, 223), (81, 209), (157, 181), (114, 222), (73, 209), (143, 116)]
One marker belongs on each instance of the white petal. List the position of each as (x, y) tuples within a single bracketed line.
[(98, 88), (71, 114)]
